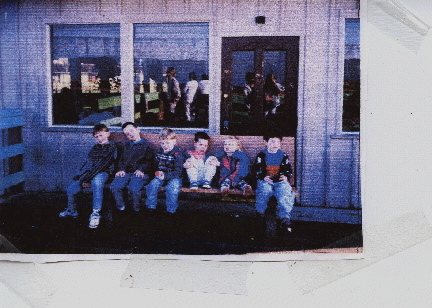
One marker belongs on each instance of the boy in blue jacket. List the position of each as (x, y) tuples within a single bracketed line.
[(234, 166)]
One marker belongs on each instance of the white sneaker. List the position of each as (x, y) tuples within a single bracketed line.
[(94, 220)]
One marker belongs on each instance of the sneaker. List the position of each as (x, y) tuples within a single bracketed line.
[(136, 208), (121, 208), (247, 190), (69, 213), (286, 225), (94, 220), (206, 185), (193, 185), (225, 184)]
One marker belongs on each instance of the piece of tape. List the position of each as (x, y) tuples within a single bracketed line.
[(28, 281), (187, 275), (380, 242)]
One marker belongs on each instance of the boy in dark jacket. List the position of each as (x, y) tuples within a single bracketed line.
[(272, 169), (96, 169), (169, 166), (135, 166)]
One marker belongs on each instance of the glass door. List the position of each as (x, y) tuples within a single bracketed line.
[(259, 85)]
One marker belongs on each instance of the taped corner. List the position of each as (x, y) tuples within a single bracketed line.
[(187, 275), (380, 242)]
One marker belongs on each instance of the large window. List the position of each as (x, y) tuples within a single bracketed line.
[(183, 50), (351, 88), (86, 82)]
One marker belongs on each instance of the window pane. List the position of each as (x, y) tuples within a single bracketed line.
[(86, 81), (351, 90), (181, 99), (243, 93)]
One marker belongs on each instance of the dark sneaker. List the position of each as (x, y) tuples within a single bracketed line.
[(121, 208), (193, 185), (136, 208), (69, 213), (94, 220)]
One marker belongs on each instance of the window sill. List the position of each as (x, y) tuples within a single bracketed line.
[(350, 135)]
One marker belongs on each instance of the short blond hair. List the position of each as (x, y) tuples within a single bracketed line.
[(235, 139), (167, 133)]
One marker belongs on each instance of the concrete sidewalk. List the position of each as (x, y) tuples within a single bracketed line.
[(30, 222)]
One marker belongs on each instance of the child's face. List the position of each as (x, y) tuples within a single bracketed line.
[(201, 145), (167, 144), (101, 137), (273, 145), (132, 133), (230, 146)]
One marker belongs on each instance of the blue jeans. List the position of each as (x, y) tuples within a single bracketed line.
[(133, 183), (281, 190), (172, 188), (97, 185)]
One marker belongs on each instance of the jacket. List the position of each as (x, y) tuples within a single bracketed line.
[(259, 166), (136, 156)]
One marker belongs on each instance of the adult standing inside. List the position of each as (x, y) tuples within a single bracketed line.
[(190, 91), (272, 91), (173, 91), (249, 90)]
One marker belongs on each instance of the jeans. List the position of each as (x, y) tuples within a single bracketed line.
[(172, 188), (133, 183), (97, 185), (285, 197), (201, 171)]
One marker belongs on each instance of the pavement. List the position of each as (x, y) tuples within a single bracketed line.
[(30, 222)]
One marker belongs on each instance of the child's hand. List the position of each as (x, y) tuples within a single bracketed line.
[(188, 164), (139, 173), (268, 179), (214, 162), (120, 174), (160, 175), (283, 178)]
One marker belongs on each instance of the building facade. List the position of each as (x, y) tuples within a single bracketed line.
[(70, 64)]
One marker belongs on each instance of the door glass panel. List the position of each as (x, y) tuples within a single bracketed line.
[(279, 107), (243, 67), (274, 84)]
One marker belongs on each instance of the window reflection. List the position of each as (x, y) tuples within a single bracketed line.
[(171, 74), (351, 87), (243, 99), (86, 81)]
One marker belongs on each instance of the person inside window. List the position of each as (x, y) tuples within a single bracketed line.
[(272, 92)]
